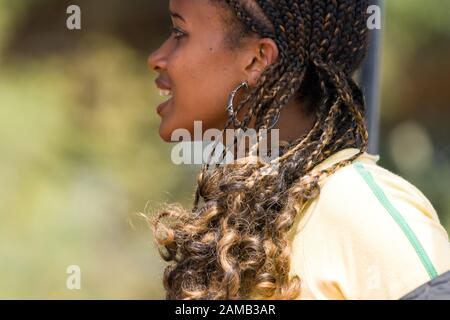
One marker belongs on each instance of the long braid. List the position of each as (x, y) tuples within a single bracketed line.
[(290, 82), (234, 245)]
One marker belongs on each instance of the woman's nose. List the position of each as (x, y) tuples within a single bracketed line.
[(157, 61)]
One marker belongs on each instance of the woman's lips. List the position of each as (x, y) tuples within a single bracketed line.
[(163, 106)]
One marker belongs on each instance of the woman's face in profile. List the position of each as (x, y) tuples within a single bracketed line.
[(196, 68)]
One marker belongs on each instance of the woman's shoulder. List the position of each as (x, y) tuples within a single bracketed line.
[(363, 196), (364, 185), (367, 219), (365, 190)]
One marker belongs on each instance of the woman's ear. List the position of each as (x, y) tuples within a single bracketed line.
[(262, 53)]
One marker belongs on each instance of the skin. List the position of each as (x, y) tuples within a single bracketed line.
[(201, 70)]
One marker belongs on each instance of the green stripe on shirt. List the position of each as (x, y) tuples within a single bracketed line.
[(395, 214)]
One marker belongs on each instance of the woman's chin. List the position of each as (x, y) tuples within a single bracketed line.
[(164, 132), (169, 130)]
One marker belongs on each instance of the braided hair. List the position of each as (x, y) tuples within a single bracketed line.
[(233, 243)]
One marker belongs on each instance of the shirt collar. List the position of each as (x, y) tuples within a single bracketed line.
[(334, 158), (346, 154)]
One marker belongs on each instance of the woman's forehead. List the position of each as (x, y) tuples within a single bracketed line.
[(201, 13)]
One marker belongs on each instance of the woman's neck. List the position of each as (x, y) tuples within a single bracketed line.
[(294, 122)]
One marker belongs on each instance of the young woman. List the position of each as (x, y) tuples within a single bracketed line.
[(331, 224)]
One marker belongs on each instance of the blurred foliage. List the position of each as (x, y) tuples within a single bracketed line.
[(79, 158), (415, 110), (80, 155)]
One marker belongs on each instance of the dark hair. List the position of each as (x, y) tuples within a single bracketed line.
[(233, 244)]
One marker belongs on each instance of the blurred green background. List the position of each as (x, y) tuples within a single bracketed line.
[(80, 154)]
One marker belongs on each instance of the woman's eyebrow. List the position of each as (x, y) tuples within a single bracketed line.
[(176, 15)]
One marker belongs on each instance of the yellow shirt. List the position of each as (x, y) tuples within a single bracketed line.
[(370, 234)]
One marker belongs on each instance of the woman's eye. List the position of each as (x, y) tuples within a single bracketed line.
[(177, 32)]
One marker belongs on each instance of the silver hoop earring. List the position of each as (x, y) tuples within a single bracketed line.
[(230, 107), (275, 121)]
